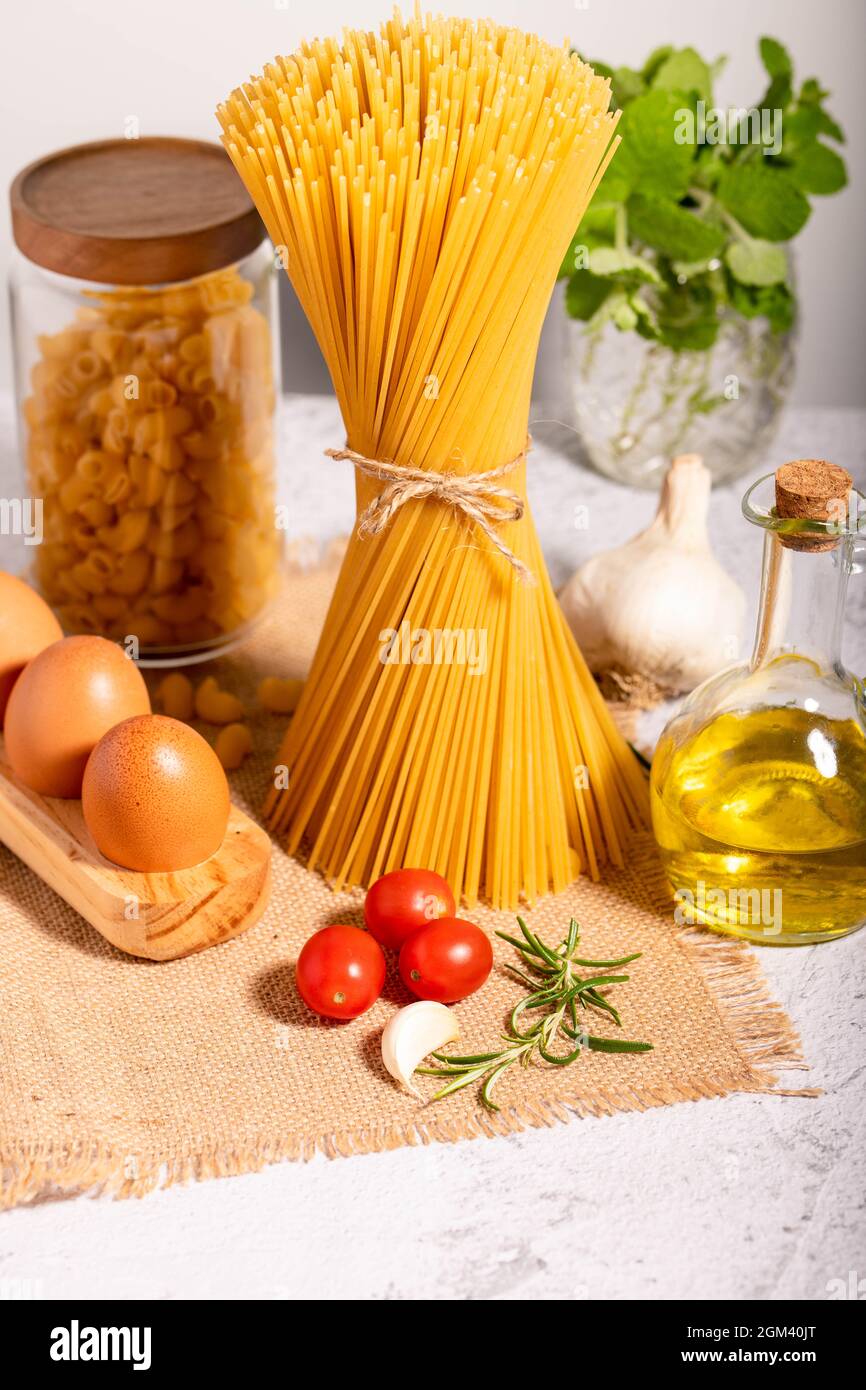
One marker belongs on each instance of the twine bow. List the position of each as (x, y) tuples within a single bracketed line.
[(474, 494)]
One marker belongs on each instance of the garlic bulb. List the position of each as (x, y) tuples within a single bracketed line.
[(412, 1034), (660, 609)]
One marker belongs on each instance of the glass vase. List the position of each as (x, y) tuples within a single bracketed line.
[(637, 404)]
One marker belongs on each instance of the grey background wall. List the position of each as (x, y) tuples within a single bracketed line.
[(78, 69)]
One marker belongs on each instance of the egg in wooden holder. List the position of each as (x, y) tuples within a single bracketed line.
[(155, 856)]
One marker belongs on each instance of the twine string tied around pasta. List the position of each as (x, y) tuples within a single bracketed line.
[(477, 495)]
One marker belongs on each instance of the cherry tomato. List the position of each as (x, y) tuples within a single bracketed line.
[(403, 901), (446, 960), (340, 972)]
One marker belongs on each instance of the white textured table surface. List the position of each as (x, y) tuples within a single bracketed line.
[(749, 1197)]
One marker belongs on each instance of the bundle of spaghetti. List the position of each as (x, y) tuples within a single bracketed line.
[(422, 185)]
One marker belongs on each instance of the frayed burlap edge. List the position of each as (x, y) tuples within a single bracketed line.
[(762, 1033)]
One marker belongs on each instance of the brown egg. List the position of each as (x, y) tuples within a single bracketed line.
[(155, 797), (61, 705), (27, 627)]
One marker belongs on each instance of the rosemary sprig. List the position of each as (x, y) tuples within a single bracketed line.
[(557, 991)]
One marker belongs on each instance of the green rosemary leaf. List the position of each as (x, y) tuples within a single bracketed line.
[(442, 1071), (556, 993), (607, 964), (616, 1045), (572, 1030), (465, 1061), (596, 982), (517, 1013), (538, 945), (520, 975), (591, 1000), (458, 1084), (555, 1061), (491, 1082), (544, 985), (518, 945), (539, 998)]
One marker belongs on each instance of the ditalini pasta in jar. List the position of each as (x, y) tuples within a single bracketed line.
[(145, 364)]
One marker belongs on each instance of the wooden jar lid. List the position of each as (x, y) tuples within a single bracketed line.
[(134, 212), (812, 490)]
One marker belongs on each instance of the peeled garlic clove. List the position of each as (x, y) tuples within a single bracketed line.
[(412, 1034)]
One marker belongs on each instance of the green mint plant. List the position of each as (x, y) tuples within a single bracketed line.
[(692, 216)]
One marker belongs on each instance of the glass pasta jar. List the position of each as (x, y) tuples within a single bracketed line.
[(143, 326)]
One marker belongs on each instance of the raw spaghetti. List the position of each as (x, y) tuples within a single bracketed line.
[(423, 185)]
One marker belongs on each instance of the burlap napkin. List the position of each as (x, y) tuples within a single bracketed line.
[(132, 1075)]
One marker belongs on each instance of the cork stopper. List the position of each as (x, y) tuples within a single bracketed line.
[(812, 489)]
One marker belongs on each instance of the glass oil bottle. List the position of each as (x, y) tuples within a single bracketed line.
[(759, 782)]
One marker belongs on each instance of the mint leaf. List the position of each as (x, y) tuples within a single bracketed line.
[(687, 270), (650, 158), (628, 312), (685, 71), (646, 313), (585, 293), (624, 315), (626, 84), (777, 62), (607, 260), (776, 58), (805, 124), (779, 68), (687, 317), (654, 62), (800, 126), (812, 93), (811, 97), (596, 229), (818, 169), (778, 95), (756, 262), (690, 260), (764, 199), (673, 230), (567, 267), (615, 184), (772, 302), (599, 223), (827, 126)]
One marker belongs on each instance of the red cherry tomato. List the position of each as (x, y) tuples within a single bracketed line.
[(403, 901), (340, 972), (446, 960)]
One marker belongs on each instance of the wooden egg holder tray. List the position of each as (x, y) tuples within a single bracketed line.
[(158, 916)]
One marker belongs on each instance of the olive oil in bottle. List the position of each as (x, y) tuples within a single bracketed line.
[(759, 783), (769, 807)]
